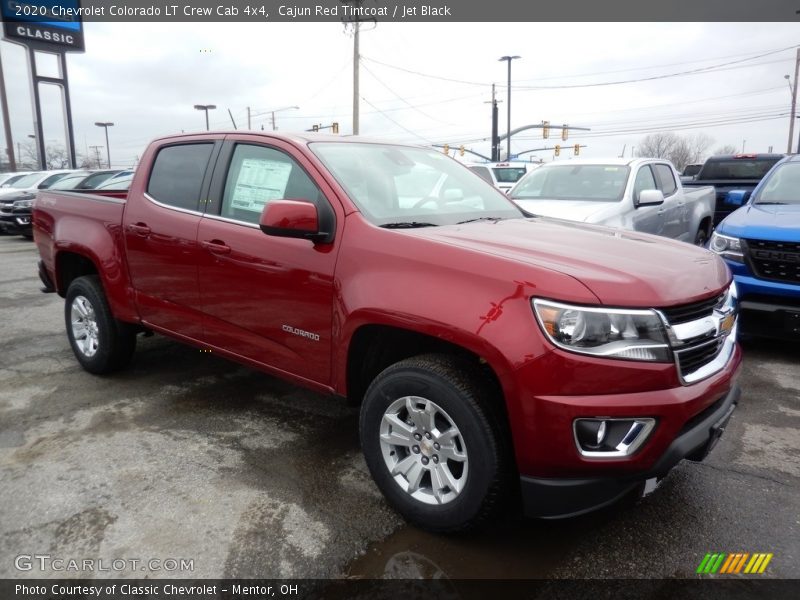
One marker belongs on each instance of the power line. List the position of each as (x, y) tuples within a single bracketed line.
[(385, 116)]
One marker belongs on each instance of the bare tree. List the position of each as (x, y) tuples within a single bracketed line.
[(56, 157), (726, 149), (699, 143), (656, 145)]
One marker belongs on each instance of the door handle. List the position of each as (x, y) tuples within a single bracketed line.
[(216, 247), (661, 211), (139, 229)]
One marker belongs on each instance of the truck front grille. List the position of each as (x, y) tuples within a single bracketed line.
[(694, 357), (776, 261), (691, 312)]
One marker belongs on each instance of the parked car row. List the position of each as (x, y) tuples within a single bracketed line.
[(18, 192)]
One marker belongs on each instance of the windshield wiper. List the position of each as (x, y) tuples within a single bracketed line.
[(481, 219), (407, 225), (763, 203)]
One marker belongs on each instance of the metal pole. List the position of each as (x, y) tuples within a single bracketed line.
[(37, 110), (68, 115), (356, 60), (12, 163), (273, 121), (108, 148), (206, 111), (508, 119), (248, 118), (794, 102)]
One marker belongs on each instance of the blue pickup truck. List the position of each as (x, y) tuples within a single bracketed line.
[(728, 172), (761, 244)]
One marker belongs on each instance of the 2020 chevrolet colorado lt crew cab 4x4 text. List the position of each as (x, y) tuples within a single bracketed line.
[(495, 357)]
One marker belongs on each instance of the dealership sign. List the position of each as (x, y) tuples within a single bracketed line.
[(44, 24)]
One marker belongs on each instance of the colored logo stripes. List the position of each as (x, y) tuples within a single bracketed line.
[(738, 562)]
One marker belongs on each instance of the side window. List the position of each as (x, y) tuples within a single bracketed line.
[(177, 175), (644, 181), (258, 174), (665, 179), (483, 172)]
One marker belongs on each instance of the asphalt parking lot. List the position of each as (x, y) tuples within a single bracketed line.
[(187, 456)]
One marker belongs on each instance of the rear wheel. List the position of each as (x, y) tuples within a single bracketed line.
[(100, 342), (433, 445)]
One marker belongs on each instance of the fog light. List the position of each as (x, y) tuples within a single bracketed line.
[(601, 437)]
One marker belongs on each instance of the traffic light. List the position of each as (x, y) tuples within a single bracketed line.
[(335, 127), (545, 129), (558, 150), (315, 128), (564, 133), (461, 150), (446, 148), (577, 149)]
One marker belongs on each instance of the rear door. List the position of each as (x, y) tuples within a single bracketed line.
[(160, 228), (268, 299), (647, 219)]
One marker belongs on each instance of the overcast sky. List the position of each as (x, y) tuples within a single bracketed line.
[(426, 83)]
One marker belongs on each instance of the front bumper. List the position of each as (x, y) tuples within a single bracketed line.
[(767, 308), (558, 498)]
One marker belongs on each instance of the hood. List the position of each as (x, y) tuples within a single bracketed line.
[(586, 211), (780, 222), (621, 268)]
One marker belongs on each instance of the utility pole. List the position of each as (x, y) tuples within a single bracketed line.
[(248, 118), (355, 21), (495, 124), (96, 154), (508, 59), (794, 102)]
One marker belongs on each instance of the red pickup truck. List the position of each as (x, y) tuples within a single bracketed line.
[(496, 357)]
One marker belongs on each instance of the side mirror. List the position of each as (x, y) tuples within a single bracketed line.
[(737, 197), (294, 219), (650, 198)]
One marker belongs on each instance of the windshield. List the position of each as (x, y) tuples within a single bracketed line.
[(27, 181), (782, 187), (394, 185), (117, 183), (737, 168), (601, 183), (68, 183), (691, 170), (7, 183), (508, 174)]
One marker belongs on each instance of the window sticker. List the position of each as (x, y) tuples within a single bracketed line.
[(260, 180)]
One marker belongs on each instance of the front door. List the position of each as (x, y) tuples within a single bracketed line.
[(268, 299)]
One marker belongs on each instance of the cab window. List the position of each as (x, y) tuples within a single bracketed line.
[(644, 181), (177, 175), (666, 180)]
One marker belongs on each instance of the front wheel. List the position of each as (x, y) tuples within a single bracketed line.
[(100, 342), (433, 443), (701, 237)]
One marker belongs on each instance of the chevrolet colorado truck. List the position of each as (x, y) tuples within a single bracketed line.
[(761, 244), (641, 194), (729, 172), (495, 357)]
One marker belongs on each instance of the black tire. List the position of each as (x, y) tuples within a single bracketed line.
[(115, 341), (457, 388), (701, 238)]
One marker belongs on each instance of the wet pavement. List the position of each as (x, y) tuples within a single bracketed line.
[(188, 456)]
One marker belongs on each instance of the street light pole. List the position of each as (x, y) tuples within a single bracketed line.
[(108, 149), (206, 108), (508, 118)]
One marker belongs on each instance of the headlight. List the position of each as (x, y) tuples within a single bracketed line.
[(23, 204), (606, 332), (727, 247)]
